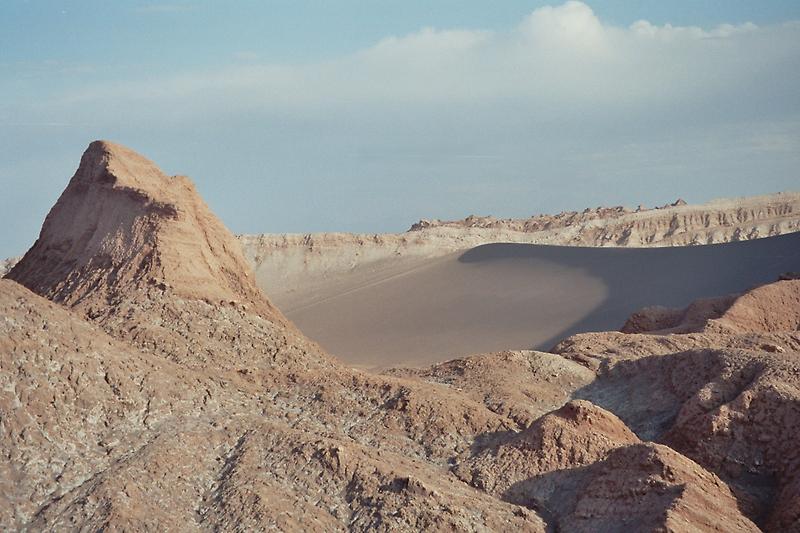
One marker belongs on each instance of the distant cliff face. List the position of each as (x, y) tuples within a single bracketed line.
[(287, 263), (676, 224)]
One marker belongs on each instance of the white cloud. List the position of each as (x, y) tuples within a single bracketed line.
[(571, 26), (561, 111), (560, 58), (429, 40), (668, 32), (557, 86)]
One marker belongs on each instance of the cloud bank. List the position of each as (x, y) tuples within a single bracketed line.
[(560, 111), (557, 59)]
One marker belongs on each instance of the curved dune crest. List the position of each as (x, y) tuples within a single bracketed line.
[(509, 296)]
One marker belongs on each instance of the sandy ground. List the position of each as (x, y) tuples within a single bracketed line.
[(515, 296)]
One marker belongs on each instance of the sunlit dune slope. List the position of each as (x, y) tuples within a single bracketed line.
[(508, 296)]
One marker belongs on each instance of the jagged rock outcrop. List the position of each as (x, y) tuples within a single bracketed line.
[(575, 435), (773, 307), (725, 392), (668, 320), (522, 385), (123, 226), (674, 224), (584, 470), (140, 253), (74, 401)]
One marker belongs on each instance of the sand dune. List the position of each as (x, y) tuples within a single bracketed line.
[(511, 296), (305, 263)]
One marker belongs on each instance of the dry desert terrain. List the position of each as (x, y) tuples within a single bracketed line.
[(148, 383)]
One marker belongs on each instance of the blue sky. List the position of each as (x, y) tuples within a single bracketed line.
[(297, 116)]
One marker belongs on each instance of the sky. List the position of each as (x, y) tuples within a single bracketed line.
[(367, 115)]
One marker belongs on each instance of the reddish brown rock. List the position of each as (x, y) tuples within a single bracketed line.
[(769, 308), (577, 434), (582, 469), (165, 392), (122, 226), (665, 320), (522, 385)]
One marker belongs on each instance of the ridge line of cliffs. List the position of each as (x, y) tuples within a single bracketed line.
[(675, 224), (284, 263)]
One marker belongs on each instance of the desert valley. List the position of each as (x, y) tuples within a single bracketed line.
[(605, 370), (418, 266)]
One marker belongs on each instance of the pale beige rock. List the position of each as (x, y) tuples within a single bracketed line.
[(292, 267), (7, 264)]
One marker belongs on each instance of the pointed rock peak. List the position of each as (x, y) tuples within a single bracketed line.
[(106, 164), (582, 416), (123, 229), (105, 159), (579, 429)]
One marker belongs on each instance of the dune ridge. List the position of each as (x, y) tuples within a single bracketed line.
[(289, 266), (521, 296)]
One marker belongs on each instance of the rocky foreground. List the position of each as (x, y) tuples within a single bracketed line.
[(147, 383)]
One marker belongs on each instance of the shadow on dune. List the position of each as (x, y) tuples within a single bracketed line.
[(514, 296), (640, 277)]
